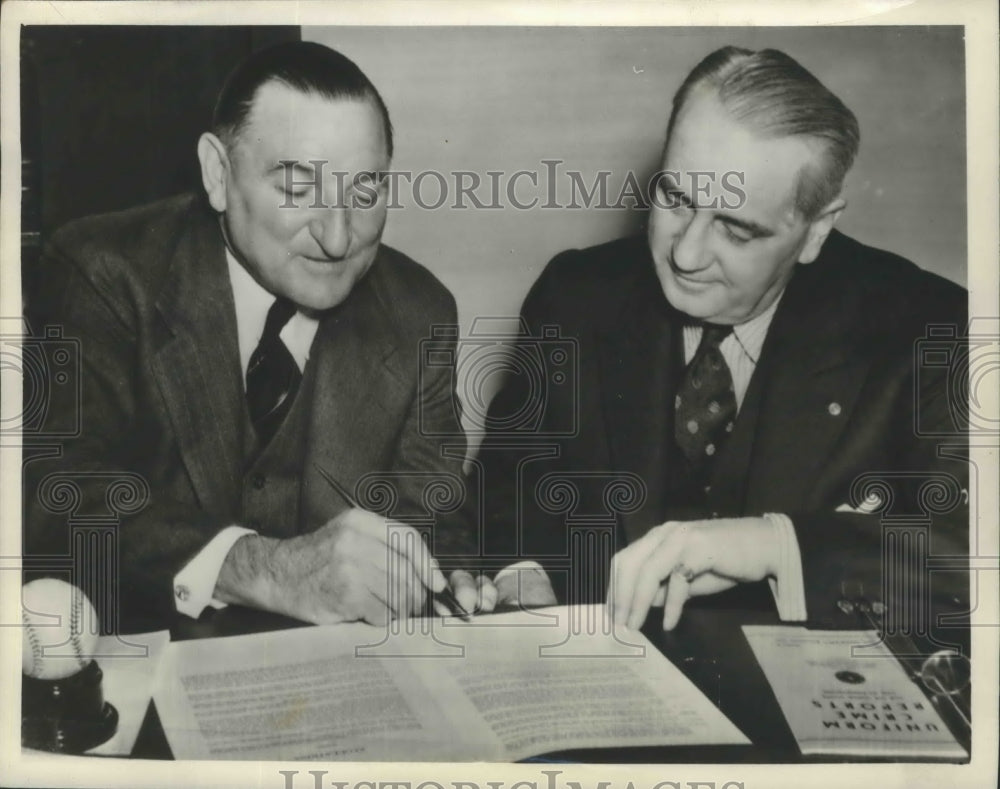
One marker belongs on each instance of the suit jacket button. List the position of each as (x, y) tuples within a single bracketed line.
[(258, 481), (834, 409)]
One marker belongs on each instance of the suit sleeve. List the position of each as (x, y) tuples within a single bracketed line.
[(87, 503), (428, 466)]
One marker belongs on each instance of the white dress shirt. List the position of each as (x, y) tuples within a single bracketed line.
[(195, 583), (741, 350)]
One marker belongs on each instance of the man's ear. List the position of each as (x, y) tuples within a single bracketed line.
[(214, 169), (820, 228)]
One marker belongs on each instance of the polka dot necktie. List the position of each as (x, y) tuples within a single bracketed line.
[(272, 375), (705, 405)]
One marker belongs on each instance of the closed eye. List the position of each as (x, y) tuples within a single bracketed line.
[(292, 192), (736, 234)]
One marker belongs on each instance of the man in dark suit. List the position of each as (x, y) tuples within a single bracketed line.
[(238, 350), (747, 380)]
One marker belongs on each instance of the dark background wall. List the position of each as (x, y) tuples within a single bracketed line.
[(111, 115)]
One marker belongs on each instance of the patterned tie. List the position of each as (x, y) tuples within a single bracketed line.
[(705, 406), (272, 375)]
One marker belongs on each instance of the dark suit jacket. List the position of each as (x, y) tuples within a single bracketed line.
[(837, 408), (161, 406)]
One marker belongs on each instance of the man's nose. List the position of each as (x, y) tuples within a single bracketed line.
[(690, 248), (332, 231)]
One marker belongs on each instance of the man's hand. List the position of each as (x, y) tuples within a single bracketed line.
[(475, 593), (682, 559), (357, 566), (524, 587), (527, 587)]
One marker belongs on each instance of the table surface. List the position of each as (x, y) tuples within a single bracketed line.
[(708, 646)]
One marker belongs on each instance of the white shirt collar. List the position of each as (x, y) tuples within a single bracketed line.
[(252, 303), (751, 335)]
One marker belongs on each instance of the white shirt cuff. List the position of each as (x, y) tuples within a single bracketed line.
[(527, 564), (195, 583), (787, 586)]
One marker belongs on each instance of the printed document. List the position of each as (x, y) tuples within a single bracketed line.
[(501, 688), (838, 703)]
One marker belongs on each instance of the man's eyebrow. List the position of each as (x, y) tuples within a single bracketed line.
[(669, 185), (754, 229), (666, 177)]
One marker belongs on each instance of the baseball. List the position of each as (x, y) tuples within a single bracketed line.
[(60, 629)]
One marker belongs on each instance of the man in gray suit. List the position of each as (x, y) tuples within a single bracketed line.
[(239, 352)]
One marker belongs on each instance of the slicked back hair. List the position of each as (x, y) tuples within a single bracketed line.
[(774, 95), (301, 65)]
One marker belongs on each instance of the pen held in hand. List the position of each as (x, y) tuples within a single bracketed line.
[(332, 482), (446, 597)]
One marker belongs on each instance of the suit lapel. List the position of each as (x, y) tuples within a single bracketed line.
[(197, 364), (811, 371), (636, 368), (362, 384)]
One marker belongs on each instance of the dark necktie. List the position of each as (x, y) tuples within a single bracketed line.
[(272, 375), (705, 406)]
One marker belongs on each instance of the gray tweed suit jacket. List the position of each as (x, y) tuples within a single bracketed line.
[(155, 439)]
